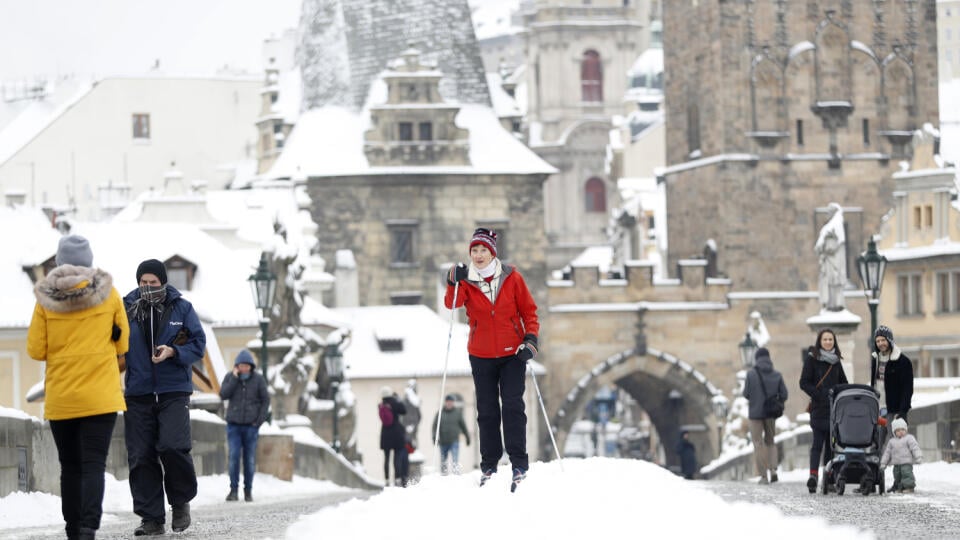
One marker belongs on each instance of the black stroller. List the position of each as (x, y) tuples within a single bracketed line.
[(855, 438)]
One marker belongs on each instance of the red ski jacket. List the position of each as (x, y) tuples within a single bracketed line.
[(497, 329)]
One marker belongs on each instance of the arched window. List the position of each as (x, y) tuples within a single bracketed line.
[(595, 195), (591, 77)]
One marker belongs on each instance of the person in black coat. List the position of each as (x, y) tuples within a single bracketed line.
[(688, 456), (246, 390), (893, 373), (822, 370), (393, 437), (761, 383)]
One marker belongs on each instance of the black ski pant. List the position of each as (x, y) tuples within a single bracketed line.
[(401, 465), (820, 447), (499, 384), (82, 446), (158, 453)]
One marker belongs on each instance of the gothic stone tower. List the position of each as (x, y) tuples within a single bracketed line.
[(577, 60), (776, 108)]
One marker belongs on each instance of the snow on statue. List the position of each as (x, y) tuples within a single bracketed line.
[(832, 253), (758, 330)]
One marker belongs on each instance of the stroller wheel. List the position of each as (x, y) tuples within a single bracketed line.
[(841, 486)]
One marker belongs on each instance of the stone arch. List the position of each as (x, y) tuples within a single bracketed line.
[(766, 89), (898, 93), (650, 377), (832, 61)]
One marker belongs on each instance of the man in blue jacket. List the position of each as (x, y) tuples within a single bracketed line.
[(249, 401), (165, 340)]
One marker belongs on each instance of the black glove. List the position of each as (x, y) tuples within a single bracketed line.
[(115, 334), (458, 272), (528, 349)]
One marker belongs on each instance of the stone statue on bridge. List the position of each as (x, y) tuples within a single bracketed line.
[(832, 253)]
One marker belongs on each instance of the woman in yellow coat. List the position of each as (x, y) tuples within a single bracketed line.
[(80, 329)]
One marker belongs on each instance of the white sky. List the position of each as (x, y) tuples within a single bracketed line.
[(63, 37)]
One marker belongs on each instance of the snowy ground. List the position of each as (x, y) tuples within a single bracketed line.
[(35, 509), (594, 497)]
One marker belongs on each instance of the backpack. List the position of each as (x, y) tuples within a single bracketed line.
[(772, 405), (386, 414)]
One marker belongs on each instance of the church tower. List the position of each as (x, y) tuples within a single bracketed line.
[(777, 108), (578, 55)]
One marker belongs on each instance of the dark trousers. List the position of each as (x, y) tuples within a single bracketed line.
[(821, 445), (82, 446), (500, 383), (401, 465), (158, 453), (242, 440)]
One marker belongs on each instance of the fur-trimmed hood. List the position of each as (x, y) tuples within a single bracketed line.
[(69, 288)]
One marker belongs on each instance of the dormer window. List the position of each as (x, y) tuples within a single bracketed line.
[(426, 131), (180, 273), (390, 344)]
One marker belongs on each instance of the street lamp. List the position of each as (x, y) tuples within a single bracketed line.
[(264, 285), (871, 266), (333, 361), (748, 349)]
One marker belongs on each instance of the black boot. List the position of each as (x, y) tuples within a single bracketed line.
[(181, 517), (248, 495), (812, 483), (148, 528), (87, 533), (232, 496)]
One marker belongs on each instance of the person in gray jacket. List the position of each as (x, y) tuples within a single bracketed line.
[(903, 452), (249, 401), (764, 382), (451, 426)]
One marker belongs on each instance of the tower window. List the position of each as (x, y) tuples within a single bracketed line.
[(591, 77), (866, 132), (799, 132), (595, 195)]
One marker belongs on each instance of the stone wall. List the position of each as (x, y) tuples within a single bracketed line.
[(356, 213), (744, 81)]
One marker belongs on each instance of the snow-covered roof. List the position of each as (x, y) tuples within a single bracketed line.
[(33, 118), (503, 104), (329, 142), (29, 245), (424, 335), (494, 18), (921, 252)]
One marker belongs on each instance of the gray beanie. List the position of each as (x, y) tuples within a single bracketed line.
[(75, 250)]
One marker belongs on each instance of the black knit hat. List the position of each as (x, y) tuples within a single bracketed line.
[(886, 332), (152, 266), (762, 352)]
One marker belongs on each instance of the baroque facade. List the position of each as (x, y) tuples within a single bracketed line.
[(774, 110), (577, 59)]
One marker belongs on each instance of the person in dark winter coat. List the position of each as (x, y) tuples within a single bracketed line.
[(762, 427), (165, 340), (688, 456), (393, 438), (504, 331), (249, 400), (70, 332), (893, 373), (451, 426), (822, 370)]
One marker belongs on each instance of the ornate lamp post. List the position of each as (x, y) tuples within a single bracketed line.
[(748, 349), (871, 266), (333, 361), (263, 283)]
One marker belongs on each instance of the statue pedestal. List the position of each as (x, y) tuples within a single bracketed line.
[(275, 455), (843, 323)]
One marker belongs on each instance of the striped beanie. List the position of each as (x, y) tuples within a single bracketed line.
[(487, 238)]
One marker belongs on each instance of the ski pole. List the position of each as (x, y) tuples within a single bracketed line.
[(443, 381), (545, 417)]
